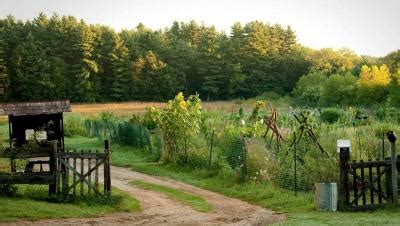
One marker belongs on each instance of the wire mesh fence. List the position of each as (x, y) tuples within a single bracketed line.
[(119, 132)]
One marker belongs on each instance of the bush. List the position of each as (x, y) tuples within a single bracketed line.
[(7, 189), (74, 125), (308, 90), (331, 115), (388, 114)]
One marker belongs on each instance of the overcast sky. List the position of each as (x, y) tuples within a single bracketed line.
[(370, 27)]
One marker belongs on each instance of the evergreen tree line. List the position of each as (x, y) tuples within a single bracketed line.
[(60, 57)]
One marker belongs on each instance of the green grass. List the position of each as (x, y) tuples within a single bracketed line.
[(31, 202), (196, 202), (300, 209)]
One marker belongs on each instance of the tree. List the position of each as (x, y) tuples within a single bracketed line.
[(330, 61), (373, 84), (339, 89), (394, 88), (121, 71), (153, 79), (309, 89), (4, 79)]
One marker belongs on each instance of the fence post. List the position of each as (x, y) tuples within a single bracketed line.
[(383, 145), (393, 160), (53, 169), (211, 148), (244, 161), (344, 198), (107, 174)]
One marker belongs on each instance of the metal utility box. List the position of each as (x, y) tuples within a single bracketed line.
[(326, 196)]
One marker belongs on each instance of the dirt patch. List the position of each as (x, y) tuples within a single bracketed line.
[(157, 209)]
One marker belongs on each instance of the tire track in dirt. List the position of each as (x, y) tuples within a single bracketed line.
[(157, 209)]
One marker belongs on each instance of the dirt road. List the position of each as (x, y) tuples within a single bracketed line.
[(157, 209)]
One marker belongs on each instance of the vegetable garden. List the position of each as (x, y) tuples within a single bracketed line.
[(292, 148)]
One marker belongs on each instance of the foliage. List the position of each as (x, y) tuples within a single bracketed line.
[(178, 122), (149, 119), (344, 89), (7, 189), (339, 89), (394, 88), (74, 125), (372, 85), (331, 115), (65, 58), (329, 61), (308, 89)]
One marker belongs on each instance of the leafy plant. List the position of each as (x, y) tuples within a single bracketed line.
[(331, 115), (7, 189), (179, 121)]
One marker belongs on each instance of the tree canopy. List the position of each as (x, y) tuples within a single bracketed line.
[(61, 57)]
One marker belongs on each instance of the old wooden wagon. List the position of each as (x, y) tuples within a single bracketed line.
[(36, 134)]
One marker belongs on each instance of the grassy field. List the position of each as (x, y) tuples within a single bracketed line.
[(31, 203), (300, 209), (129, 108), (196, 202)]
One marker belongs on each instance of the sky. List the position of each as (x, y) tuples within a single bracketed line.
[(368, 27)]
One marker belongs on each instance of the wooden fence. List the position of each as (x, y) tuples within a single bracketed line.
[(66, 172), (368, 185), (78, 172)]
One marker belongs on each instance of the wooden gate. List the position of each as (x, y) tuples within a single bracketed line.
[(78, 172), (370, 184), (367, 185)]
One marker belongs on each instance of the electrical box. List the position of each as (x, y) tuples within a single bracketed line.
[(326, 196)]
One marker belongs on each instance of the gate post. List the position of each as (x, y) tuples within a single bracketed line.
[(344, 196), (393, 162), (53, 168), (107, 174)]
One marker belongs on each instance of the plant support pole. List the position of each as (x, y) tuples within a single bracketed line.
[(211, 148)]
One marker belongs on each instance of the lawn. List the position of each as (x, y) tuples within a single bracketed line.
[(300, 209), (196, 202), (31, 203)]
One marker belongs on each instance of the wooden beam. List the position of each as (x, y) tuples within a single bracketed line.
[(27, 178)]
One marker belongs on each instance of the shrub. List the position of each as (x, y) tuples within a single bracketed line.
[(7, 189), (151, 118), (74, 125), (388, 114), (331, 115), (308, 89)]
